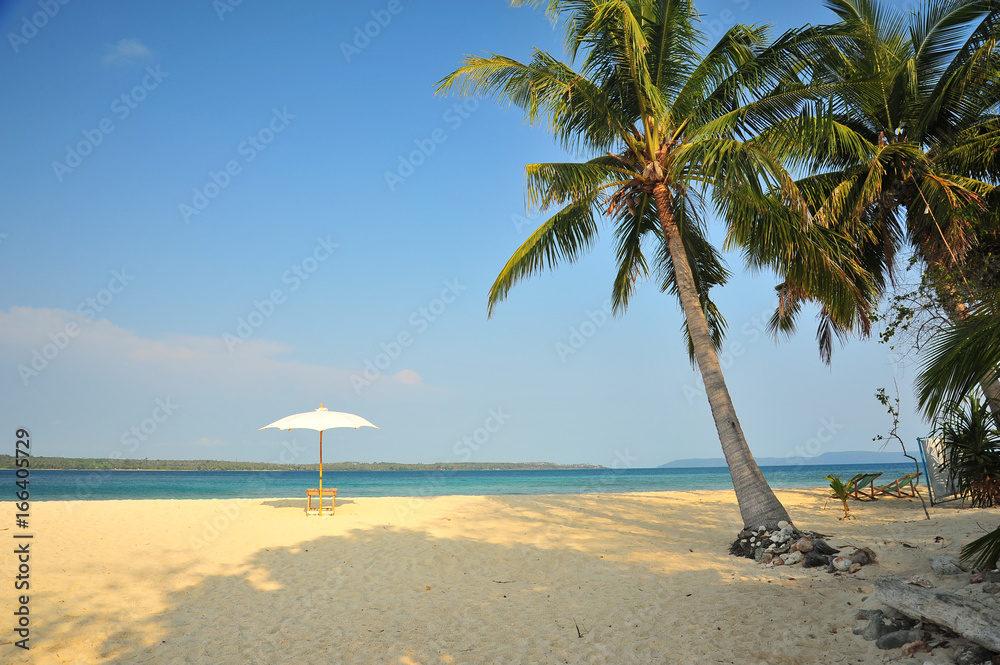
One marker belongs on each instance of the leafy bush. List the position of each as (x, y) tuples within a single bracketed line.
[(972, 452)]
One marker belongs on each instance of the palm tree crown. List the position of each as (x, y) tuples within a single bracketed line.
[(902, 151), (672, 124)]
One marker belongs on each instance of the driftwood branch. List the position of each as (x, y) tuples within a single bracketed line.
[(969, 618)]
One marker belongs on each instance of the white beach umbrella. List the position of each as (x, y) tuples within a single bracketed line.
[(319, 420)]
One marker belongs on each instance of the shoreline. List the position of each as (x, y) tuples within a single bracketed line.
[(349, 497), (328, 469), (100, 485)]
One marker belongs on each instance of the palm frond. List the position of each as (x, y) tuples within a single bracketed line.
[(674, 48), (959, 359), (983, 552), (634, 222), (563, 237), (938, 31), (577, 111), (559, 183)]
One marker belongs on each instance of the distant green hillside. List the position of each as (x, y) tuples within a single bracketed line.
[(97, 463)]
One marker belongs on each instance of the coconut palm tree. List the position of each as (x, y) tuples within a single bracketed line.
[(905, 153), (670, 124)]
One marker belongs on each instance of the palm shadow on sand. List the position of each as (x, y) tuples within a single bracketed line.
[(476, 592)]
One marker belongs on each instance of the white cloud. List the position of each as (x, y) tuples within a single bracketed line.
[(125, 51), (204, 442), (408, 376), (105, 351), (101, 381)]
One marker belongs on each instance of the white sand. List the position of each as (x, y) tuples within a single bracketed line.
[(644, 578)]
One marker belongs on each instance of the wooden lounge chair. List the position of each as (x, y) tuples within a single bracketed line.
[(862, 486), (321, 510), (905, 486)]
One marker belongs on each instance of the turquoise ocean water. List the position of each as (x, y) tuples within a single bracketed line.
[(96, 485)]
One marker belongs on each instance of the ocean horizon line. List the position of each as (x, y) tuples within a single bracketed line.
[(97, 484)]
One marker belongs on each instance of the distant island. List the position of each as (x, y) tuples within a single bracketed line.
[(841, 457), (101, 463)]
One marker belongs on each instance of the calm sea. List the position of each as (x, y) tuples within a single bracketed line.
[(77, 485)]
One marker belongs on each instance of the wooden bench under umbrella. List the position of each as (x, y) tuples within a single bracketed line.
[(320, 419)]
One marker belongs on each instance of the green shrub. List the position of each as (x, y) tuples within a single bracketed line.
[(840, 492), (971, 443)]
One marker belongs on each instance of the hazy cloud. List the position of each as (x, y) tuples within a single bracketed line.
[(125, 51), (105, 350), (408, 376), (204, 442)]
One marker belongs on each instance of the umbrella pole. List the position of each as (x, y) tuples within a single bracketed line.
[(321, 472)]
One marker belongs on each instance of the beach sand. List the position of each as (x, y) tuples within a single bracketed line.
[(617, 578)]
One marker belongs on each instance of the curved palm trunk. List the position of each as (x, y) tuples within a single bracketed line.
[(758, 504), (992, 393)]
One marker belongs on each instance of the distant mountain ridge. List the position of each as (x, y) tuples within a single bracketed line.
[(837, 457)]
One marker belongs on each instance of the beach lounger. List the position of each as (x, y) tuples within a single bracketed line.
[(862, 486), (905, 486), (321, 510)]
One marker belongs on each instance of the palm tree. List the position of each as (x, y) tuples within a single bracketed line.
[(671, 125), (905, 152)]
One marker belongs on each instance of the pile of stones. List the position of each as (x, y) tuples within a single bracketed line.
[(788, 546)]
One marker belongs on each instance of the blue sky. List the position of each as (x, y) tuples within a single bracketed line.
[(217, 214)]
